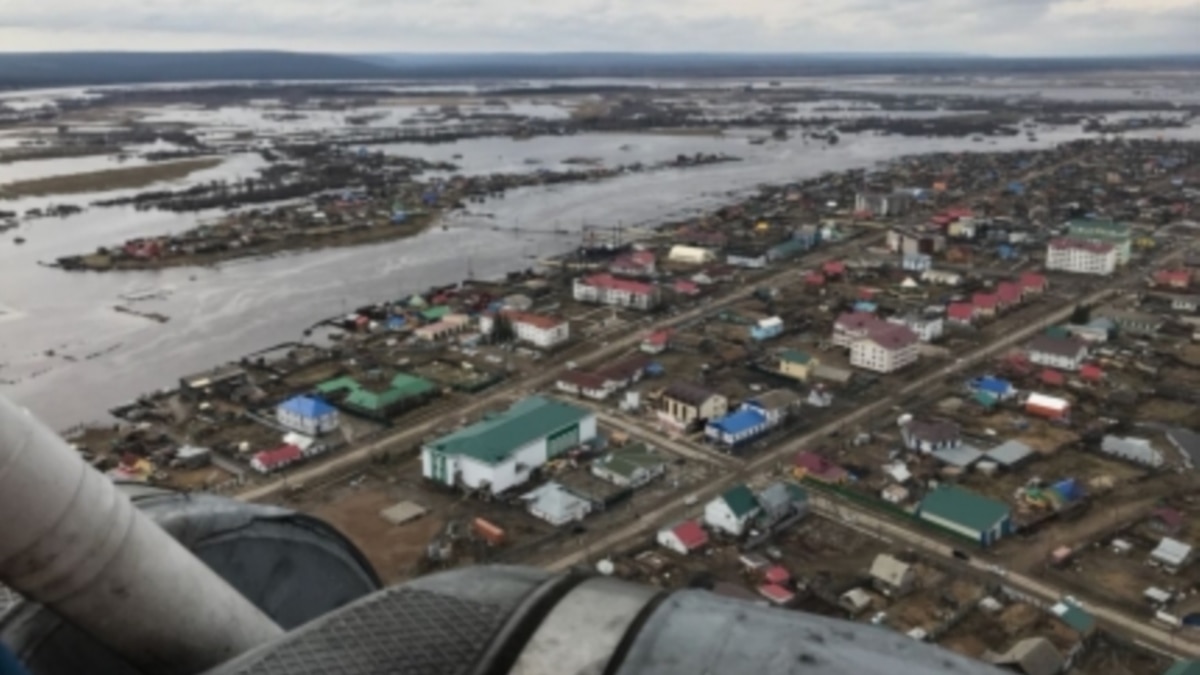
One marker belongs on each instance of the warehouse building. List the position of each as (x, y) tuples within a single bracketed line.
[(504, 449), (966, 513)]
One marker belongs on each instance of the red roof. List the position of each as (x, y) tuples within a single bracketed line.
[(610, 282), (1053, 377), (959, 212), (1033, 280), (961, 311), (1169, 517), (777, 575), (834, 267), (814, 278), (1090, 246), (1173, 278), (986, 300), (691, 535), (279, 456), (856, 321), (638, 260), (1091, 372), (687, 287), (658, 338), (776, 594), (1009, 292), (819, 467), (941, 220)]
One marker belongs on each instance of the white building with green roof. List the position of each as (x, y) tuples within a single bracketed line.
[(501, 451), (1117, 234)]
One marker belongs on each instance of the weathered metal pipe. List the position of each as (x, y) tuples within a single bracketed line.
[(73, 542)]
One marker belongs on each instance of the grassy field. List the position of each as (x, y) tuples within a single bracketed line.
[(108, 179)]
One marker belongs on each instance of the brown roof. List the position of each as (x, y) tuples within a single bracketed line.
[(582, 379), (891, 336), (932, 431), (1048, 344), (688, 393)]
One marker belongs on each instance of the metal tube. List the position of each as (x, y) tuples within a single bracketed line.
[(74, 543)]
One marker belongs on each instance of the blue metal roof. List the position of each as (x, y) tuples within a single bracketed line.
[(742, 420), (307, 406), (992, 385)]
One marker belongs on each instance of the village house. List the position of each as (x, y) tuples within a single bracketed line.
[(1063, 353), (630, 467), (986, 304), (684, 404), (780, 501), (928, 436), (683, 538), (1178, 280), (1033, 283), (308, 415), (537, 330), (961, 313), (733, 511), (585, 384), (928, 327), (797, 365), (634, 264), (812, 466), (606, 289)]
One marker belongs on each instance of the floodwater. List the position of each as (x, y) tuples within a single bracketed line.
[(67, 355)]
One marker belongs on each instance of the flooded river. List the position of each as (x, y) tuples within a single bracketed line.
[(67, 355)]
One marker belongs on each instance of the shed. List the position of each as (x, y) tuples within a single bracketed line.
[(891, 576), (1031, 656), (403, 512), (1074, 617), (1009, 453), (1172, 554), (963, 456), (684, 537), (1136, 450), (1049, 407)]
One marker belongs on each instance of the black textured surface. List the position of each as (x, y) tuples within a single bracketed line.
[(404, 631), (291, 566)]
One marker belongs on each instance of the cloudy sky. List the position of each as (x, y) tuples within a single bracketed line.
[(1050, 27)]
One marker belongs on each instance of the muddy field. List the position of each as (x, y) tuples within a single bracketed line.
[(109, 179)]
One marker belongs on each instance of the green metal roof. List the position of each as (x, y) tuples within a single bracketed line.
[(1107, 230), (435, 313), (1184, 668), (1076, 618), (964, 507), (410, 385), (496, 437), (336, 385), (740, 500), (402, 386), (793, 356)]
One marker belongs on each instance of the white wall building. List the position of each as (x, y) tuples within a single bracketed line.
[(1062, 353), (1081, 257), (501, 452), (609, 290), (888, 347), (732, 512), (535, 329), (927, 328), (308, 415)]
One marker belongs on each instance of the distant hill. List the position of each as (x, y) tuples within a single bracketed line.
[(84, 68), (20, 70), (618, 64)]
